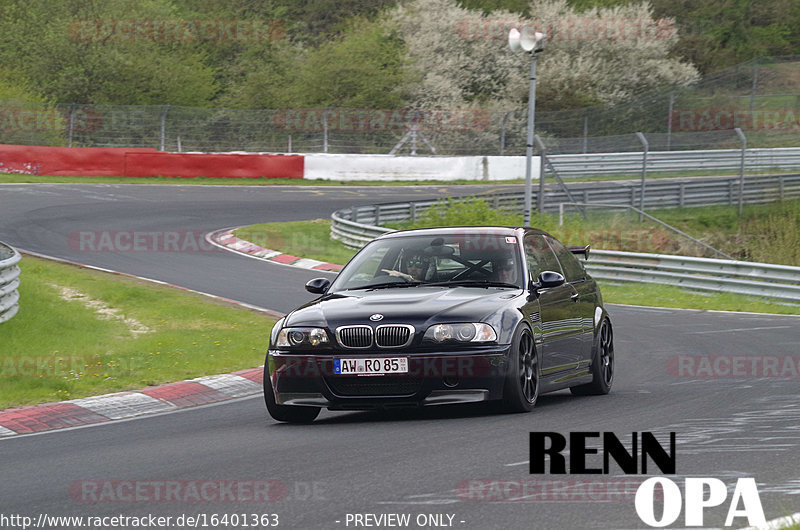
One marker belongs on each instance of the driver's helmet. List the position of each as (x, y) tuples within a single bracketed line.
[(417, 264), (505, 269)]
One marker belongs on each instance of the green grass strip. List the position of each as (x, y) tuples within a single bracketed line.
[(81, 332)]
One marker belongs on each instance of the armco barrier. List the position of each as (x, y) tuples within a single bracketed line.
[(741, 277), (9, 281), (356, 226), (630, 163), (660, 193), (144, 162)]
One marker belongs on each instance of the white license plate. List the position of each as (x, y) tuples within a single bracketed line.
[(371, 366)]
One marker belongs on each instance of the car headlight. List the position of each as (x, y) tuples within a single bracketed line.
[(291, 337), (466, 332)]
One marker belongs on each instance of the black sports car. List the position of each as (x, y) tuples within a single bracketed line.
[(439, 316)]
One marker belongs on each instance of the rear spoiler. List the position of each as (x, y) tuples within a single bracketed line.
[(580, 250)]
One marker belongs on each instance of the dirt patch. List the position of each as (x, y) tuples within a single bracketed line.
[(103, 310)]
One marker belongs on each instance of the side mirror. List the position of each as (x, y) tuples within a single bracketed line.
[(548, 279), (318, 285)]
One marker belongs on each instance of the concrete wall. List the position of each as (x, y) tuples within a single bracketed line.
[(390, 167)]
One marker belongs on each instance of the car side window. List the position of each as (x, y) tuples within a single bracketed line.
[(573, 269), (539, 256)]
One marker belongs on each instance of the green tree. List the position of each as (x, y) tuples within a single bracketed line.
[(719, 33), (361, 69), (81, 51)]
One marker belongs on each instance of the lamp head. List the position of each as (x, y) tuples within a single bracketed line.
[(526, 40)]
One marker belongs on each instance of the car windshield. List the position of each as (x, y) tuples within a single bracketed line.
[(456, 259)]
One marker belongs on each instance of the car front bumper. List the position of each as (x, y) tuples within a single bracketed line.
[(438, 378)]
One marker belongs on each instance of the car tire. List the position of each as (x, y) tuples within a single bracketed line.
[(602, 363), (286, 413), (521, 389)]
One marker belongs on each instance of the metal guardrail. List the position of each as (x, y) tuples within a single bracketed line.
[(740, 277), (630, 163), (9, 282), (359, 224)]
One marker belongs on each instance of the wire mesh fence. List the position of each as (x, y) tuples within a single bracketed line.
[(758, 97)]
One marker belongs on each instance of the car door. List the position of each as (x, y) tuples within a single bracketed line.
[(584, 298), (559, 324)]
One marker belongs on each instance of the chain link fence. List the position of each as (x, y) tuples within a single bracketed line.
[(759, 97)]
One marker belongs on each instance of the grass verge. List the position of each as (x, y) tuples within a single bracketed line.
[(13, 178), (311, 239), (81, 332)]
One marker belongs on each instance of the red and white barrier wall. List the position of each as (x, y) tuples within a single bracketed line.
[(121, 162), (146, 162)]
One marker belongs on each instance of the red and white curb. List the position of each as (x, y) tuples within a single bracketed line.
[(122, 405), (227, 240)]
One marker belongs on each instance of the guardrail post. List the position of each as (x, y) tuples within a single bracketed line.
[(780, 187), (377, 215), (681, 194), (412, 212), (743, 138)]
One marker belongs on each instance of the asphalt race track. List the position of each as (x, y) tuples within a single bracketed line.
[(463, 463)]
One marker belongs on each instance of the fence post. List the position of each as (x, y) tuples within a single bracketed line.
[(585, 133), (741, 165), (503, 132), (163, 126), (646, 146), (325, 130), (289, 149), (71, 123), (669, 120), (542, 155), (754, 89)]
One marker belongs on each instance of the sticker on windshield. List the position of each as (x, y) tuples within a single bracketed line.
[(511, 240)]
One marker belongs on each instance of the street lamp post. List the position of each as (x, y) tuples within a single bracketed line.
[(532, 42)]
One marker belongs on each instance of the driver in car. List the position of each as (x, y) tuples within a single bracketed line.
[(505, 270), (417, 266)]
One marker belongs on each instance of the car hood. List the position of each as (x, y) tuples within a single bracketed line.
[(410, 305)]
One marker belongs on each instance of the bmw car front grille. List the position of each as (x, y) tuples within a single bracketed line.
[(393, 336), (354, 336), (384, 336)]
